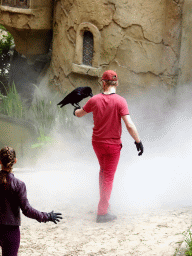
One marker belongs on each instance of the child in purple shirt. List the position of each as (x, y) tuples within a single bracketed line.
[(13, 198)]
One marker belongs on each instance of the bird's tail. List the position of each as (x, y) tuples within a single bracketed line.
[(61, 104)]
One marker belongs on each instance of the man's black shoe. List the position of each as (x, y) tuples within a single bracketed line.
[(105, 218)]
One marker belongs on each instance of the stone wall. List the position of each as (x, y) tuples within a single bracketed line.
[(31, 27), (139, 39), (185, 67)]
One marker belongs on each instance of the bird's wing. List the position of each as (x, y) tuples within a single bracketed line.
[(73, 97)]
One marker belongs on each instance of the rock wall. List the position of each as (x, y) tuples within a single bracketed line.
[(31, 27), (141, 40), (185, 65)]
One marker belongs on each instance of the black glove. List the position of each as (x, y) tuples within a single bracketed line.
[(75, 110), (139, 147), (54, 217)]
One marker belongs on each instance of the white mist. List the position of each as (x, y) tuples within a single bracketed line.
[(66, 174)]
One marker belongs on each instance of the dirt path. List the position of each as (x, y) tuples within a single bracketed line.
[(151, 233)]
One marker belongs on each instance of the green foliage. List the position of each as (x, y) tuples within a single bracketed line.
[(6, 42), (5, 45), (188, 240), (44, 113), (42, 140), (11, 104)]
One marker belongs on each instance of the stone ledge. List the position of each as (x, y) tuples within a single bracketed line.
[(27, 11), (86, 70), (16, 10), (28, 19)]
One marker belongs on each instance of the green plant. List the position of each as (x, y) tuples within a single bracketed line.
[(43, 112), (42, 140), (47, 116), (188, 240), (11, 103), (43, 115), (6, 42)]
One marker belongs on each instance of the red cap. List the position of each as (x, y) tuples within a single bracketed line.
[(109, 75)]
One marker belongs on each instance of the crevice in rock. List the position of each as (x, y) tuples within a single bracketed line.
[(105, 26), (72, 40), (71, 81), (64, 11), (145, 38), (138, 73), (26, 26), (167, 45), (114, 6)]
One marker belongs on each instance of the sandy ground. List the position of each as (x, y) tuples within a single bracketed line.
[(149, 231), (158, 232)]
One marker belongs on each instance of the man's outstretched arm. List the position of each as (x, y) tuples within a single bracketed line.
[(80, 112)]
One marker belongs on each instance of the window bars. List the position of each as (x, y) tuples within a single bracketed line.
[(87, 48), (16, 3)]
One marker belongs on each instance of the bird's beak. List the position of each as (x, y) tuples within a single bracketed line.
[(91, 94)]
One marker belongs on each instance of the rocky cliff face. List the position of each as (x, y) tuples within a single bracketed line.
[(185, 63), (141, 40)]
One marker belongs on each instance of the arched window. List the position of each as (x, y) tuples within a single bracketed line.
[(87, 48), (8, 2), (16, 3)]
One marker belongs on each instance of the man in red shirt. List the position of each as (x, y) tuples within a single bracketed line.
[(108, 109)]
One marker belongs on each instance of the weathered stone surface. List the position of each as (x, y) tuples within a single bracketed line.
[(67, 5), (37, 19), (140, 39), (63, 48), (83, 80), (112, 36), (131, 82), (57, 12), (143, 56), (19, 20), (135, 32), (172, 31), (72, 14), (148, 14), (97, 12), (30, 27), (59, 81), (185, 64)]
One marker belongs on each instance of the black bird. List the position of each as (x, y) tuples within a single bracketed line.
[(76, 96)]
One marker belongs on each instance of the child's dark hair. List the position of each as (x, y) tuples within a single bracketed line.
[(7, 158)]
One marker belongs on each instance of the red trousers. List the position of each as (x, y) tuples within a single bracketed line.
[(108, 156)]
